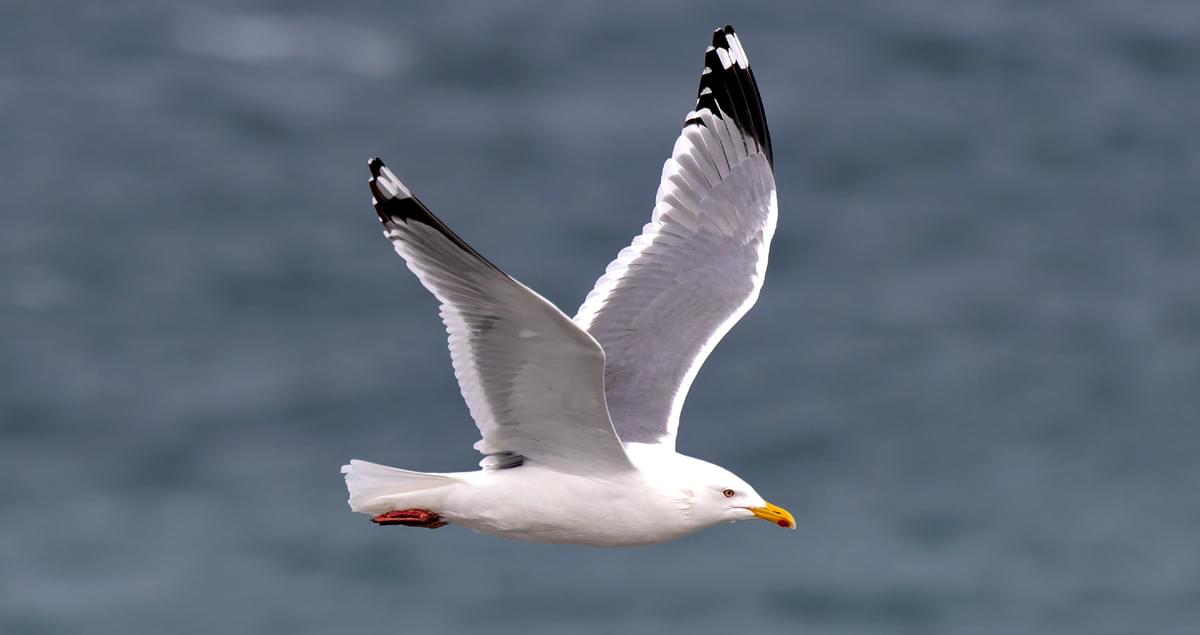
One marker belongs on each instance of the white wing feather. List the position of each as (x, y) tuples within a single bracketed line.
[(697, 267), (532, 379)]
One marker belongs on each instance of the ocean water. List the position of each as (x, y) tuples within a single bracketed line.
[(974, 371)]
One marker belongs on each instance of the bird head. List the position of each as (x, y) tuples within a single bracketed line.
[(715, 495)]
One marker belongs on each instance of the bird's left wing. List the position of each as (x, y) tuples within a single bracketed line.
[(532, 379)]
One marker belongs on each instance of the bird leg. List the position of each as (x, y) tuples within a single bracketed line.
[(410, 518)]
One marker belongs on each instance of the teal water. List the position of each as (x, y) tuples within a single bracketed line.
[(973, 372)]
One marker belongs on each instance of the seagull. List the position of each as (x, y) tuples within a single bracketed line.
[(578, 416)]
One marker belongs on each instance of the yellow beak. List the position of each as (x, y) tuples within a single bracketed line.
[(775, 514)]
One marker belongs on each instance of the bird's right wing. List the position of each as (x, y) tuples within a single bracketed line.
[(532, 379), (698, 265)]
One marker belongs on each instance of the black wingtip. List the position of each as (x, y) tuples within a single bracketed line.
[(727, 86), (719, 38), (395, 205)]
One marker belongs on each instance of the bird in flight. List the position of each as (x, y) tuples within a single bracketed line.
[(578, 416)]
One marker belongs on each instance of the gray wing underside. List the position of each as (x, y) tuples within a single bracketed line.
[(697, 267), (532, 379)]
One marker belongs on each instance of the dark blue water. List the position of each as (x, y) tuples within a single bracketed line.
[(974, 373)]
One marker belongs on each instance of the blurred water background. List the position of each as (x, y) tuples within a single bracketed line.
[(974, 372)]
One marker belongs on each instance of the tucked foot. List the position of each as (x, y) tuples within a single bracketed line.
[(410, 518)]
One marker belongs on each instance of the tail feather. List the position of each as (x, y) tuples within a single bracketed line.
[(374, 488)]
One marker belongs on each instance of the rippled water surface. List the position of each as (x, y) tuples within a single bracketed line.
[(974, 372)]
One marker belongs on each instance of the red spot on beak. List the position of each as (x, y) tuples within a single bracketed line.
[(783, 523)]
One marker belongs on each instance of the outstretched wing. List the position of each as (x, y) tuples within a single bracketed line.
[(697, 267), (532, 379)]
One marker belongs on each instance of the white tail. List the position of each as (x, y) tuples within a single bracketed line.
[(374, 488)]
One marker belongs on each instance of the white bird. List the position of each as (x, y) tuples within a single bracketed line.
[(578, 417)]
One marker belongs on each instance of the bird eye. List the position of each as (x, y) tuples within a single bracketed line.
[(728, 493)]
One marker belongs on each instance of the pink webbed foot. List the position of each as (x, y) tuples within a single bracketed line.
[(410, 518)]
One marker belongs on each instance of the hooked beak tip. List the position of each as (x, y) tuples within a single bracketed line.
[(775, 514)]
